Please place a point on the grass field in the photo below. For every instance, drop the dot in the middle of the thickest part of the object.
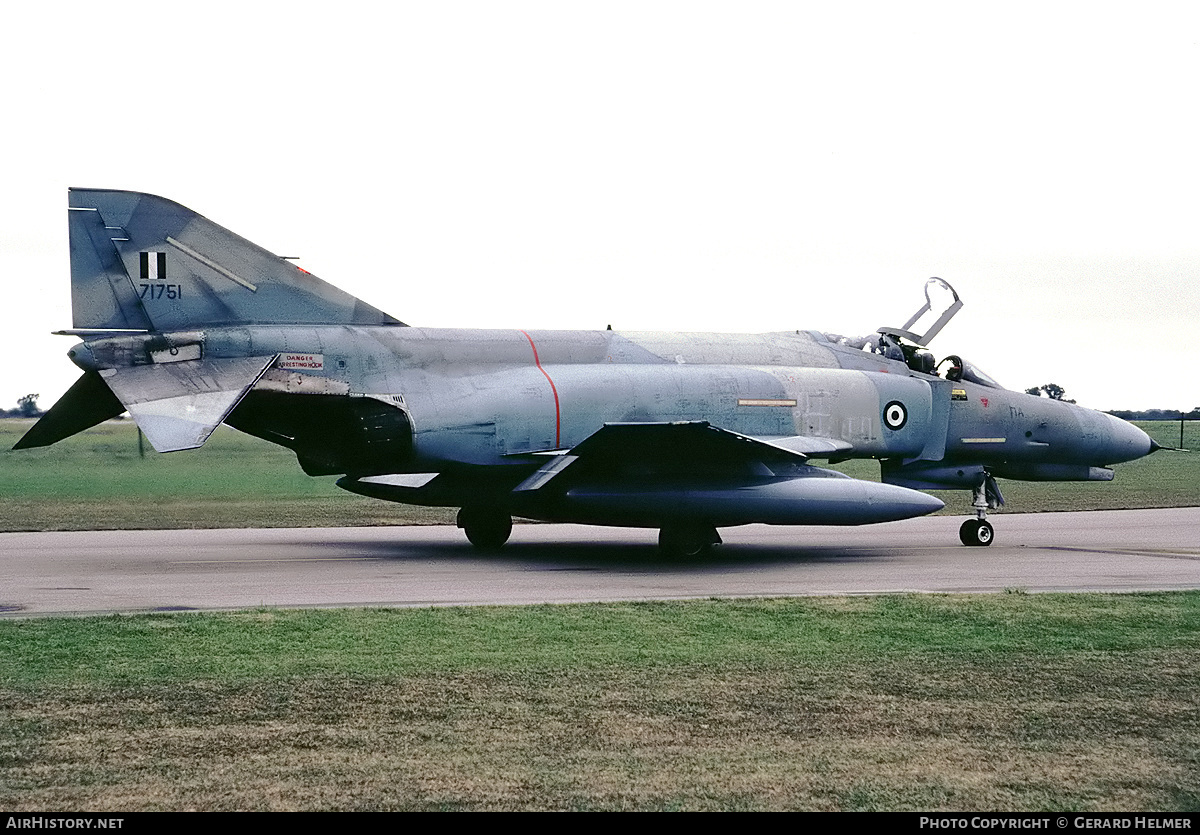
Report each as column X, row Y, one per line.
column 97, row 481
column 1022, row 702
column 1001, row 702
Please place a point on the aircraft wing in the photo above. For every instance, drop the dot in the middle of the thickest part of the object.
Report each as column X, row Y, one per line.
column 684, row 448
column 680, row 441
column 807, row 445
column 651, row 473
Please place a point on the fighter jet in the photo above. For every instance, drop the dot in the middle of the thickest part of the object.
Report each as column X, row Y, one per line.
column 186, row 325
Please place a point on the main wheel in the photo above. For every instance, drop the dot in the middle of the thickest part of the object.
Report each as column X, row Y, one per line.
column 687, row 541
column 486, row 528
column 976, row 532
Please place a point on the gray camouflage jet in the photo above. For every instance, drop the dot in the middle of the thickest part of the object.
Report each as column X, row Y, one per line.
column 186, row 325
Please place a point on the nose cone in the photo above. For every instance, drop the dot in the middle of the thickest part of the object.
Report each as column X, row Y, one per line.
column 1125, row 442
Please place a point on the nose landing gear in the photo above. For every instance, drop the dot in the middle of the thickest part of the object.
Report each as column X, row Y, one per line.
column 976, row 532
column 985, row 496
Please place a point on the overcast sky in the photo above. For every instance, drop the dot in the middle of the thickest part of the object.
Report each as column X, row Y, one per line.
column 651, row 165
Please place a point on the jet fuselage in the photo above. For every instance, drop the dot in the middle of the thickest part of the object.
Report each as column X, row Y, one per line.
column 483, row 397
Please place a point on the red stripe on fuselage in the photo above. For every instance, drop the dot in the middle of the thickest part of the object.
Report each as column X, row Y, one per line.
column 553, row 389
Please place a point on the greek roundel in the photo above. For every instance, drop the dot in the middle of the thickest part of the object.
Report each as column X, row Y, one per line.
column 895, row 415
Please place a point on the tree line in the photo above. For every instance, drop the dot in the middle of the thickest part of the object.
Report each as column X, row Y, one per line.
column 1156, row 414
column 1057, row 392
column 27, row 406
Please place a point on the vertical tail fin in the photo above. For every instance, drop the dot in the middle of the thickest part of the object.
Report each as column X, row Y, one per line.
column 142, row 262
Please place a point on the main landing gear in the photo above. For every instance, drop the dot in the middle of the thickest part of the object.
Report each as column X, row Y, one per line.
column 684, row 541
column 486, row 527
column 985, row 496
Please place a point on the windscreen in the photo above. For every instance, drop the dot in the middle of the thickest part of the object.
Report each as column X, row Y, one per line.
column 973, row 374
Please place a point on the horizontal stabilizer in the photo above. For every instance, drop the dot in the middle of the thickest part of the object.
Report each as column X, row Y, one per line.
column 85, row 404
column 177, row 405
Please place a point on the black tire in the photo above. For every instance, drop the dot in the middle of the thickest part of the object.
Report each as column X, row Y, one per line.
column 976, row 532
column 486, row 528
column 687, row 541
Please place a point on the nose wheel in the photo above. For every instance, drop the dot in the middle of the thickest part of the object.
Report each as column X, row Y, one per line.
column 976, row 532
column 984, row 497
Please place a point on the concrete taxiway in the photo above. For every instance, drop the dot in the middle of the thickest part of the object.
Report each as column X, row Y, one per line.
column 129, row 571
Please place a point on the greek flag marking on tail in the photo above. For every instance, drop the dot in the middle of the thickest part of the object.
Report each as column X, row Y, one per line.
column 154, row 264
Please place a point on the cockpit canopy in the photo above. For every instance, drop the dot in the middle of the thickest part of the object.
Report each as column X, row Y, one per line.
column 952, row 367
column 908, row 344
column 919, row 359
